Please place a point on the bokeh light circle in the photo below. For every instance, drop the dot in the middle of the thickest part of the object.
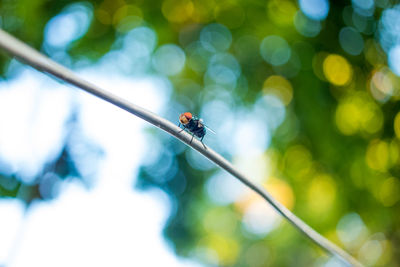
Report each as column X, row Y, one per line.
column 364, row 4
column 260, row 219
column 351, row 41
column 275, row 50
column 306, row 26
column 280, row 87
column 370, row 252
column 358, row 113
column 337, row 70
column 389, row 192
column 223, row 69
column 315, row 9
column 394, row 59
column 198, row 57
column 364, row 7
column 351, row 229
column 177, row 10
column 169, row 59
column 216, row 38
column 68, row 26
column 397, row 125
column 381, row 85
column 389, row 24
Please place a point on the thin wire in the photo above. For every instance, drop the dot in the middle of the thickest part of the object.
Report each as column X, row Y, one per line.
column 32, row 57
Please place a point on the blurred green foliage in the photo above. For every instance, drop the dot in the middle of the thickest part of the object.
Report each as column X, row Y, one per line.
column 335, row 158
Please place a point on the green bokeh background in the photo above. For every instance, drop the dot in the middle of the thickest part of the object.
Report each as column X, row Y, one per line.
column 334, row 159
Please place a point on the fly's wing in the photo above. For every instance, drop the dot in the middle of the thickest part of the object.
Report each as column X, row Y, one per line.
column 211, row 130
column 208, row 128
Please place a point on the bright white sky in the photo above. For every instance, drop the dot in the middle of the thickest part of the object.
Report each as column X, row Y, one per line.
column 107, row 225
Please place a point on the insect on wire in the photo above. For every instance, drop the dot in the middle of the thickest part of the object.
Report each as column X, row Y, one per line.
column 194, row 125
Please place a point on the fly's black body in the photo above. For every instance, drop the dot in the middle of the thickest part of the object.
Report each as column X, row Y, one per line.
column 197, row 128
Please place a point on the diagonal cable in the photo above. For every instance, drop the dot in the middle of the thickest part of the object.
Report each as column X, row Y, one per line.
column 39, row 61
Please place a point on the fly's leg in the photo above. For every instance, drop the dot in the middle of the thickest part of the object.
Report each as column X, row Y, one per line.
column 184, row 127
column 201, row 140
column 192, row 139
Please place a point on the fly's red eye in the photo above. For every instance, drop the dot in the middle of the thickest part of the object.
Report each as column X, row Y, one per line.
column 188, row 115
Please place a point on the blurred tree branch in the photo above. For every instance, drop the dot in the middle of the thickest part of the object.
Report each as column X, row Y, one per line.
column 32, row 57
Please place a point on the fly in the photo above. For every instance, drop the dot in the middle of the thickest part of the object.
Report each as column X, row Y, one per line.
column 195, row 126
